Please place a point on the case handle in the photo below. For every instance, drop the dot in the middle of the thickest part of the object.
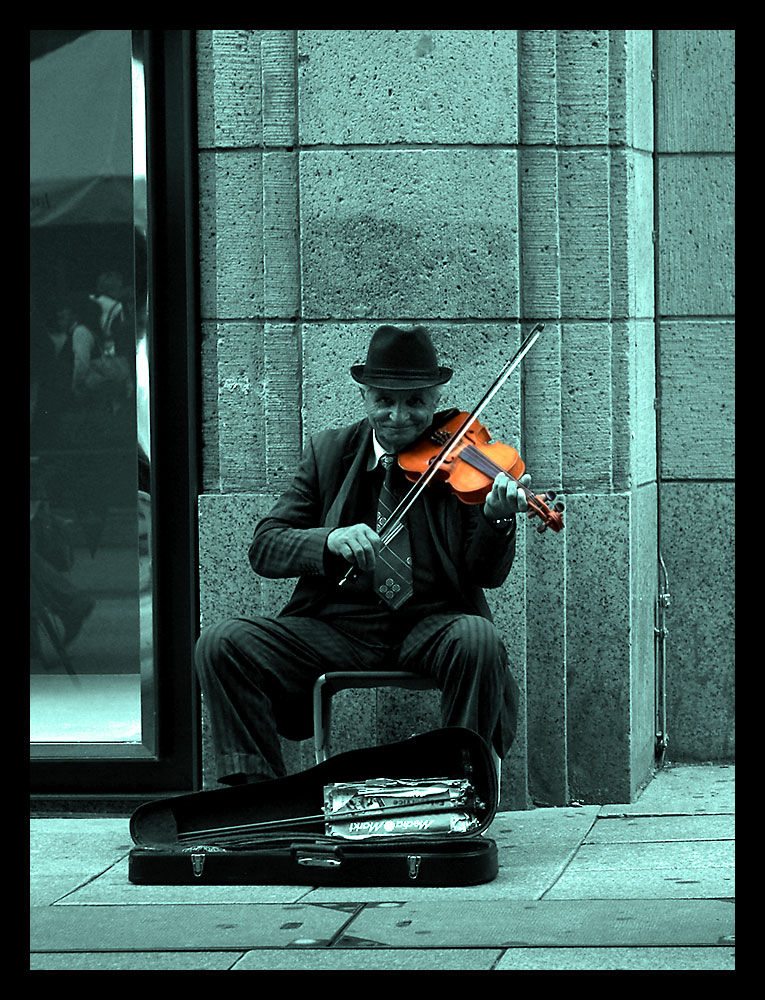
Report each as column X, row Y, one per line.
column 317, row 855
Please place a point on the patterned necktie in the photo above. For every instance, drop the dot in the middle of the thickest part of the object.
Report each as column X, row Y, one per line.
column 393, row 569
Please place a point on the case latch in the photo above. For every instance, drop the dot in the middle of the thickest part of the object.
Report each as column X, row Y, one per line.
column 413, row 861
column 199, row 855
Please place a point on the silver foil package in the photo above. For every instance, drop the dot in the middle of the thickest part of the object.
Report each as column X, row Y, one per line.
column 403, row 826
column 395, row 807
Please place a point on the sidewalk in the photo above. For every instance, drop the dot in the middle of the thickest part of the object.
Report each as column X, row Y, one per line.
column 647, row 886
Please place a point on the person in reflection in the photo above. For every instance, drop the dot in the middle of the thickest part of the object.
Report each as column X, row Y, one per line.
column 111, row 376
column 51, row 369
column 81, row 317
column 109, row 296
column 57, row 607
column 71, row 389
column 416, row 604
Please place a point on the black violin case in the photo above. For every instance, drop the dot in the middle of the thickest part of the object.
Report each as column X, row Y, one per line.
column 205, row 838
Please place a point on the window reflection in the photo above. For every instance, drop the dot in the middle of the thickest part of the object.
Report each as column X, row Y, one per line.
column 90, row 484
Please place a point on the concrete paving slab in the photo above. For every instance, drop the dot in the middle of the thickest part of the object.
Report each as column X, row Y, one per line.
column 371, row 960
column 67, row 853
column 647, row 829
column 645, row 884
column 397, row 959
column 559, row 821
column 128, row 961
column 683, row 789
column 668, row 870
column 546, row 923
column 681, row 854
column 209, row 927
column 618, row 959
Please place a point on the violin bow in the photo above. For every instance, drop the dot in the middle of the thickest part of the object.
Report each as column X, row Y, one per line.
column 395, row 522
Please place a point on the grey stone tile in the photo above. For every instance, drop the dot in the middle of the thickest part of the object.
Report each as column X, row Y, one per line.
column 213, row 927
column 618, row 959
column 662, row 869
column 647, row 829
column 683, row 855
column 370, row 959
column 134, row 961
column 668, row 883
column 548, row 923
column 67, row 853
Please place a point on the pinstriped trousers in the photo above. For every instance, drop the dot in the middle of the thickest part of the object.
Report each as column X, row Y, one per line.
column 257, row 677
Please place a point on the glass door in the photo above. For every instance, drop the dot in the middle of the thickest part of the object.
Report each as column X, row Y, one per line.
column 93, row 596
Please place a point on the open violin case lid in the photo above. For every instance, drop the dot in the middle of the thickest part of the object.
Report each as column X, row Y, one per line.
column 279, row 832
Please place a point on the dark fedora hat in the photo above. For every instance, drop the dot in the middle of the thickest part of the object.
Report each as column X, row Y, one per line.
column 401, row 359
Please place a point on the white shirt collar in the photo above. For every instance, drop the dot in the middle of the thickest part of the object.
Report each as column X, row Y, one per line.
column 377, row 452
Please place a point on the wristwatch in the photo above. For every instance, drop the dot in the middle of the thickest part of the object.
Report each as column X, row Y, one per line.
column 502, row 522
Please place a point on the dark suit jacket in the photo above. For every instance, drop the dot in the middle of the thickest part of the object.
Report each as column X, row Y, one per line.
column 291, row 539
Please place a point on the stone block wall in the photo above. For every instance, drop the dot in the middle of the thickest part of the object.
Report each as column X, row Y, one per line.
column 696, row 328
column 474, row 181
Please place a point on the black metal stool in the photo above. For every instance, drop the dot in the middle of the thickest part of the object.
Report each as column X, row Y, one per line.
column 329, row 684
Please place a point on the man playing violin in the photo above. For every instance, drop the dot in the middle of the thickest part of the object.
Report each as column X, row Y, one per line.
column 415, row 603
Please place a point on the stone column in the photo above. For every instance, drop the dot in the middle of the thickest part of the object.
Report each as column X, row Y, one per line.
column 696, row 304
column 586, row 139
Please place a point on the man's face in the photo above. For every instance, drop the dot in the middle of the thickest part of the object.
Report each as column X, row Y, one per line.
column 399, row 416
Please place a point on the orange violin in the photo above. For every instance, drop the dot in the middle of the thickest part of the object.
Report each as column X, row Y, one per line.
column 472, row 466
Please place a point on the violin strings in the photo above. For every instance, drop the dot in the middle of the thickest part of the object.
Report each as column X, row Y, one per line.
column 475, row 457
column 488, row 467
column 240, row 832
